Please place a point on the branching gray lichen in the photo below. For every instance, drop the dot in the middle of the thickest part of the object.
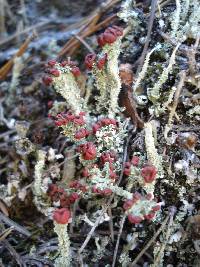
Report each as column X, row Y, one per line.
column 151, row 150
column 108, row 81
column 184, row 27
column 39, row 189
column 64, row 258
column 66, row 85
column 154, row 93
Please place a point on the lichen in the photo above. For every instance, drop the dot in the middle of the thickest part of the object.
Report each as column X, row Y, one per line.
column 64, row 258
column 154, row 93
column 108, row 81
column 151, row 150
column 66, row 85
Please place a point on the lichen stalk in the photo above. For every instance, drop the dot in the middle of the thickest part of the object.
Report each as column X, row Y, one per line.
column 66, row 85
column 64, row 258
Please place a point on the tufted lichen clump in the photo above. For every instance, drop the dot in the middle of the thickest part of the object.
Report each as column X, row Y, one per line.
column 99, row 140
column 137, row 180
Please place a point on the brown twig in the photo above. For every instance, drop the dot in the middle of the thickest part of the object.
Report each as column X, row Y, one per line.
column 2, row 19
column 72, row 45
column 176, row 96
column 163, row 225
column 89, row 27
column 25, row 31
column 149, row 30
column 5, row 233
column 13, row 253
column 118, row 239
column 7, row 67
column 164, row 243
column 89, row 48
column 16, row 226
column 111, row 224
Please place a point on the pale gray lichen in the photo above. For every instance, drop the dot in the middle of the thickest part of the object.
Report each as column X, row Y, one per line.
column 39, row 187
column 129, row 15
column 154, row 93
column 143, row 71
column 64, row 258
column 111, row 138
column 108, row 81
column 176, row 19
column 151, row 150
column 101, row 248
column 184, row 27
column 17, row 68
column 67, row 86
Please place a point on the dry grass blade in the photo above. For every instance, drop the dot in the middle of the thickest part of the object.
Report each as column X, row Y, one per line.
column 89, row 27
column 7, row 67
column 5, row 233
column 163, row 225
column 16, row 226
column 118, row 239
column 13, row 252
column 150, row 26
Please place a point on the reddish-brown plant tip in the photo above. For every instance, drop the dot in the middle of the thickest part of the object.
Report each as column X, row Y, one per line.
column 76, row 71
column 47, row 80
column 135, row 160
column 81, row 133
column 100, row 40
column 149, row 173
column 73, row 197
column 50, row 104
column 150, row 216
column 107, row 192
column 89, row 61
column 110, row 35
column 85, row 172
column 113, row 175
column 137, row 196
column 134, row 219
column 52, row 63
column 88, row 151
column 64, row 63
column 101, row 62
column 128, row 204
column 127, row 168
column 156, row 208
column 54, row 72
column 118, row 30
column 62, row 216
column 52, row 189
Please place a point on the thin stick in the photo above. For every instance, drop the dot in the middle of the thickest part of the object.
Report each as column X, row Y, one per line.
column 118, row 239
column 7, row 67
column 111, row 224
column 150, row 26
column 25, row 31
column 176, row 96
column 89, row 48
column 16, row 226
column 162, row 248
column 5, row 233
column 150, row 242
column 14, row 253
column 2, row 19
column 90, row 26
